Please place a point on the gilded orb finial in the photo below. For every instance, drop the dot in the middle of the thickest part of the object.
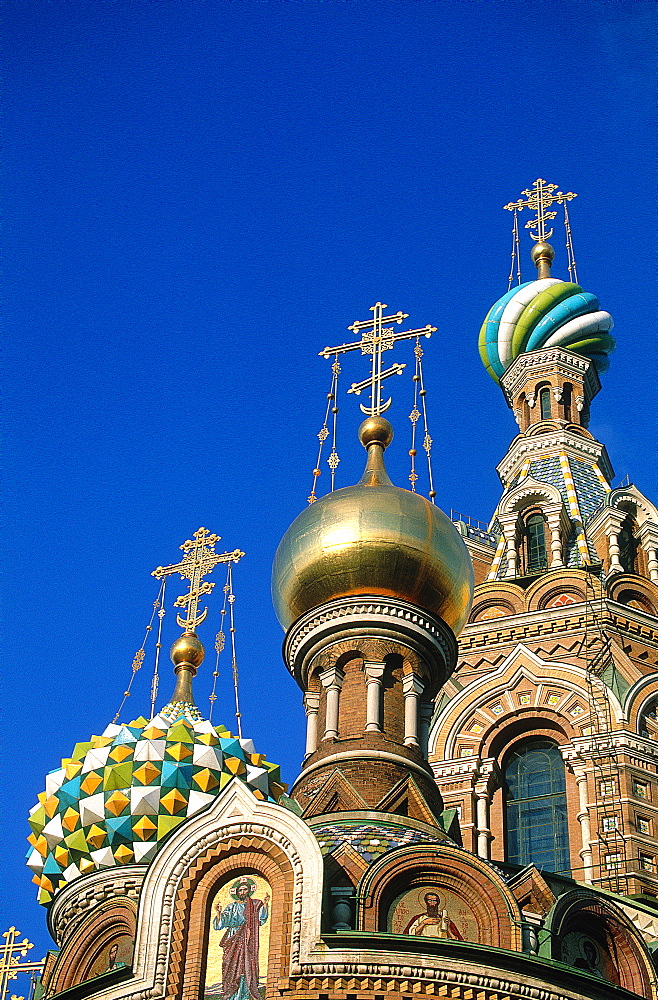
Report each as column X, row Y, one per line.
column 375, row 430
column 542, row 255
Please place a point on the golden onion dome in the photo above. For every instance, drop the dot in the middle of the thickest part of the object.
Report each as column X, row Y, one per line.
column 373, row 538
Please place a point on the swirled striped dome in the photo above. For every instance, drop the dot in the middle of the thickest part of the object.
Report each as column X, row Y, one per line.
column 545, row 313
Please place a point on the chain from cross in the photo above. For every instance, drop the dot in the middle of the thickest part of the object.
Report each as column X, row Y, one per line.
column 539, row 199
column 11, row 952
column 375, row 339
column 200, row 559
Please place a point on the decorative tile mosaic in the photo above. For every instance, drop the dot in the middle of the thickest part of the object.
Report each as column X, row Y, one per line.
column 370, row 840
column 115, row 799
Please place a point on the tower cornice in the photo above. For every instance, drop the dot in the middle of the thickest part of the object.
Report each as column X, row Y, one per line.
column 365, row 616
column 574, row 444
column 548, row 360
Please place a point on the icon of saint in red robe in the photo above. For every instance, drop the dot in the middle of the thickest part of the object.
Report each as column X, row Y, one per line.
column 241, row 921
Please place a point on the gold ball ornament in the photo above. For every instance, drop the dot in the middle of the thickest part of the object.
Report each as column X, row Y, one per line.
column 187, row 649
column 542, row 250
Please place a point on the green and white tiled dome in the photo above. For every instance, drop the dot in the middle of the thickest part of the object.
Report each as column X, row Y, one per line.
column 546, row 312
column 119, row 795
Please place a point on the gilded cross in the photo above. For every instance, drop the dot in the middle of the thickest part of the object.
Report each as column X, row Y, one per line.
column 11, row 952
column 375, row 339
column 539, row 199
column 200, row 559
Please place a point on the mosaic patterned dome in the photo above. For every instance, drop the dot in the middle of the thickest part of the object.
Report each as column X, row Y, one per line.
column 119, row 795
column 545, row 313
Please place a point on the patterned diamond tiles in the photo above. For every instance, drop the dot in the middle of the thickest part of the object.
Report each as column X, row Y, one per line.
column 370, row 840
column 121, row 793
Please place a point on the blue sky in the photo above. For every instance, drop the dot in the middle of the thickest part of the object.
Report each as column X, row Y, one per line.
column 200, row 196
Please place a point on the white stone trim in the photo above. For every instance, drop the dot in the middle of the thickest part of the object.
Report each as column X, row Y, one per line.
column 234, row 812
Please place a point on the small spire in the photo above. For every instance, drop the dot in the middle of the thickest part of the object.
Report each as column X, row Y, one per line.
column 375, row 434
column 200, row 559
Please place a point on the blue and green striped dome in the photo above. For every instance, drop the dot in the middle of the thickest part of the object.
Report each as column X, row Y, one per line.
column 545, row 313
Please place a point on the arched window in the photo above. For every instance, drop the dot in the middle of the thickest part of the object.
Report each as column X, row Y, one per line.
column 566, row 402
column 535, row 544
column 627, row 546
column 525, row 411
column 536, row 830
column 545, row 403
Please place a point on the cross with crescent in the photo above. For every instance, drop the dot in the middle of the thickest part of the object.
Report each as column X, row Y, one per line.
column 11, row 952
column 375, row 339
column 200, row 559
column 538, row 199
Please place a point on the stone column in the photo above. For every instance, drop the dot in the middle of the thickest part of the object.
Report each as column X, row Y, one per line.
column 585, row 828
column 332, row 681
column 425, row 713
column 482, row 805
column 649, row 540
column 508, row 524
column 374, row 674
column 613, row 552
column 556, row 539
column 311, row 706
column 412, row 687
column 341, row 908
column 652, row 563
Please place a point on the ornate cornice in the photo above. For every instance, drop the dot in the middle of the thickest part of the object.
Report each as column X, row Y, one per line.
column 576, row 446
column 79, row 898
column 530, row 626
column 362, row 618
column 537, row 363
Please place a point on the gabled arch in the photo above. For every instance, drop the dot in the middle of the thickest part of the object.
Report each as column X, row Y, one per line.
column 529, row 492
column 639, row 698
column 539, row 594
column 634, row 591
column 520, row 663
column 112, row 922
column 630, row 499
column 236, row 833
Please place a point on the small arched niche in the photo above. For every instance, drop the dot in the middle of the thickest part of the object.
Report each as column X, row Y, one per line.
column 593, row 935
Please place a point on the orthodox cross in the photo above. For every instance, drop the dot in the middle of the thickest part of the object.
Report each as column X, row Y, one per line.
column 11, row 952
column 538, row 199
column 200, row 559
column 375, row 339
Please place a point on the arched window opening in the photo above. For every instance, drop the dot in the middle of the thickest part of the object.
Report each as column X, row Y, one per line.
column 648, row 721
column 566, row 402
column 627, row 546
column 536, row 829
column 545, row 403
column 535, row 544
column 525, row 411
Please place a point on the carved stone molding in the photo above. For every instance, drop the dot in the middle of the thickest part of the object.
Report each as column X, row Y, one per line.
column 75, row 902
column 351, row 621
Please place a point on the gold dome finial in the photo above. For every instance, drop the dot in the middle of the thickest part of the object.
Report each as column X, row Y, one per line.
column 375, row 434
column 538, row 199
column 542, row 255
column 200, row 559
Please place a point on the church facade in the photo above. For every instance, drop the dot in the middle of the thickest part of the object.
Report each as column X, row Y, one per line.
column 476, row 815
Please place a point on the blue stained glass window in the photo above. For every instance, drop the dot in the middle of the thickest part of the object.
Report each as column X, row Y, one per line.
column 545, row 404
column 536, row 828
